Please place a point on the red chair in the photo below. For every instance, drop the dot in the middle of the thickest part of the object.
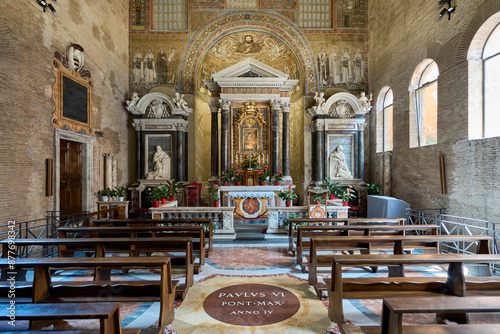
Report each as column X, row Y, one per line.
column 192, row 193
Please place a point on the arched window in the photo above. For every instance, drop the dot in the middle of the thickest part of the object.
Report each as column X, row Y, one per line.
column 484, row 80
column 423, row 104
column 385, row 120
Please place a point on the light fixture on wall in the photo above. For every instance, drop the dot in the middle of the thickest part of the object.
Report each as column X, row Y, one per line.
column 44, row 4
column 451, row 8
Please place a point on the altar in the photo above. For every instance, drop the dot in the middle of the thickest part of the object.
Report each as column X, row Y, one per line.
column 251, row 201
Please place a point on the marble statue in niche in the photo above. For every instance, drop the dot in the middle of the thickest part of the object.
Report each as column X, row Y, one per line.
column 161, row 165
column 338, row 165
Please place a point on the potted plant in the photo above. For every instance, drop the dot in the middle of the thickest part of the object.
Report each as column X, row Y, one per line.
column 213, row 193
column 318, row 200
column 333, row 188
column 155, row 195
column 120, row 192
column 278, row 177
column 346, row 195
column 286, row 221
column 174, row 188
column 374, row 188
column 238, row 177
column 226, row 176
column 105, row 193
column 287, row 195
column 165, row 193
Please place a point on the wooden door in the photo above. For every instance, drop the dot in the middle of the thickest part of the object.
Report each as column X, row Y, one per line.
column 71, row 177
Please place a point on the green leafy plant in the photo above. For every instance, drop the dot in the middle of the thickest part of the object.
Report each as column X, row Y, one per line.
column 333, row 187
column 278, row 176
column 238, row 176
column 104, row 192
column 121, row 191
column 155, row 193
column 347, row 194
column 318, row 200
column 263, row 174
column 213, row 192
column 374, row 188
column 174, row 188
column 287, row 194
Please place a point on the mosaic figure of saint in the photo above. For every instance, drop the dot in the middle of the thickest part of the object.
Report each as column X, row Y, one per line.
column 323, row 66
column 162, row 67
column 346, row 67
column 173, row 66
column 248, row 46
column 137, row 67
column 149, row 67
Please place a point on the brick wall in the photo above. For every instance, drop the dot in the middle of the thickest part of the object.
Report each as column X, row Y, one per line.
column 29, row 39
column 403, row 34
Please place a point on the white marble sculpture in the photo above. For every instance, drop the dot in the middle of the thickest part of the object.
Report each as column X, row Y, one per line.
column 132, row 104
column 157, row 109
column 320, row 100
column 338, row 165
column 161, row 168
column 366, row 103
column 179, row 101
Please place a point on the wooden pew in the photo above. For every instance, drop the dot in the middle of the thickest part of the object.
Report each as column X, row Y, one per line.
column 43, row 290
column 197, row 233
column 207, row 223
column 107, row 313
column 455, row 283
column 295, row 222
column 394, row 308
column 306, row 232
column 398, row 243
column 134, row 246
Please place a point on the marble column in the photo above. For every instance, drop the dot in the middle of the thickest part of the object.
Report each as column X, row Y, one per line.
column 285, row 157
column 181, row 151
column 318, row 126
column 214, row 141
column 224, row 139
column 109, row 170
column 275, row 135
column 139, row 169
column 361, row 151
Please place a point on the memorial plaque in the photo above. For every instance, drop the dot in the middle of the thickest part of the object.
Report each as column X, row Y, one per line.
column 75, row 104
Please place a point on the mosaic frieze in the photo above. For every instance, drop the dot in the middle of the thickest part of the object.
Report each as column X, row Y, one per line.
column 199, row 17
column 155, row 61
column 351, row 14
column 341, row 61
column 278, row 4
column 206, row 4
column 205, row 40
column 242, row 4
column 138, row 15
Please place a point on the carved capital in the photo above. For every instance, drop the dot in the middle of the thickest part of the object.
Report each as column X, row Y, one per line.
column 214, row 106
column 286, row 106
column 275, row 104
column 224, row 104
column 361, row 126
column 318, row 126
column 184, row 127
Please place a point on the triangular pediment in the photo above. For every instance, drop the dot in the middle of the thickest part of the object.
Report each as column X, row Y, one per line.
column 249, row 68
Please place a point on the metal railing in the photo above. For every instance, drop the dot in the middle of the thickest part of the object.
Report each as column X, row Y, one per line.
column 43, row 228
column 454, row 225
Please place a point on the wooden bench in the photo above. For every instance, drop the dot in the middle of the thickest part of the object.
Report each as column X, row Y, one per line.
column 433, row 329
column 207, row 223
column 107, row 313
column 396, row 243
column 394, row 308
column 197, row 233
column 304, row 233
column 455, row 283
column 132, row 246
column 295, row 222
column 43, row 290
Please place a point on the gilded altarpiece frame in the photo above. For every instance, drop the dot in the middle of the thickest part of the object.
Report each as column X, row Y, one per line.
column 250, row 133
column 72, row 96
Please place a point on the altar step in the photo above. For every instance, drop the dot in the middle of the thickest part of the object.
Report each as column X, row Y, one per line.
column 250, row 231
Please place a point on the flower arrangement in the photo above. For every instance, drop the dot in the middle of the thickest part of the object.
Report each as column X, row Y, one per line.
column 333, row 187
column 263, row 174
column 238, row 176
column 156, row 193
column 347, row 194
column 174, row 188
column 278, row 176
column 213, row 192
column 287, row 194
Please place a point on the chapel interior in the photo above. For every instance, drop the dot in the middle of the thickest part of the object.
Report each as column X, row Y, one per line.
column 390, row 98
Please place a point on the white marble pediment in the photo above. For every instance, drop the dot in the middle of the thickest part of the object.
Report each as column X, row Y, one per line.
column 348, row 101
column 151, row 101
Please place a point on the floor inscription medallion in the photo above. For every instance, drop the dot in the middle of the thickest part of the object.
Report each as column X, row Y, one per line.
column 251, row 304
